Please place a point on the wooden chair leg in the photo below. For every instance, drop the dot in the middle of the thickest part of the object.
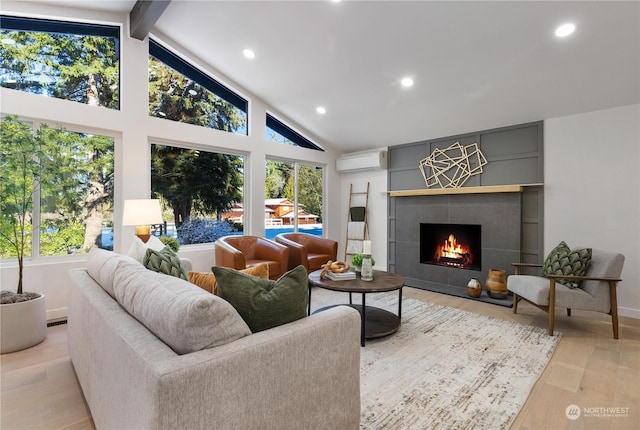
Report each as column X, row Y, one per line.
column 552, row 304
column 614, row 307
column 515, row 303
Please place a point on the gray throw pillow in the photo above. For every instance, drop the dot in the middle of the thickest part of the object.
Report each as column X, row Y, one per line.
column 165, row 261
column 564, row 261
column 263, row 303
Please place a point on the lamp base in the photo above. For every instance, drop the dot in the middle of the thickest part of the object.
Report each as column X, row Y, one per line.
column 143, row 232
column 143, row 237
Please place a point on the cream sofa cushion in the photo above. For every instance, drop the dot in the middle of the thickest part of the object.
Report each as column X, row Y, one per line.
column 103, row 265
column 182, row 315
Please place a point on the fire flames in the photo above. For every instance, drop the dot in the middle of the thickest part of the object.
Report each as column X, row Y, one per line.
column 452, row 253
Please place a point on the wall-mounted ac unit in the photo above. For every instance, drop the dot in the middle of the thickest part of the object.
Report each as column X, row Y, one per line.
column 373, row 160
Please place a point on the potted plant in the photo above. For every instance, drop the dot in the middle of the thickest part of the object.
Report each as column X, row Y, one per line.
column 356, row 261
column 171, row 242
column 23, row 316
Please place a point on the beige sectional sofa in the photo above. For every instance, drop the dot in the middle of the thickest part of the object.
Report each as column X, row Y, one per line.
column 301, row 375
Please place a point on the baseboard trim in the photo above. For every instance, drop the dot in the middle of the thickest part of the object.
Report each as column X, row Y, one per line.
column 629, row 312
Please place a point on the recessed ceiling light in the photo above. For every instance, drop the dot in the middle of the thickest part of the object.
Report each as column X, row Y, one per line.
column 406, row 82
column 249, row 54
column 321, row 110
column 565, row 30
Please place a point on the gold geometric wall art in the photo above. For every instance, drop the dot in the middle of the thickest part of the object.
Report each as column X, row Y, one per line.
column 452, row 167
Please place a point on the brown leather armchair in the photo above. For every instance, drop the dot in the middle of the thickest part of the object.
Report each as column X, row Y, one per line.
column 308, row 250
column 240, row 252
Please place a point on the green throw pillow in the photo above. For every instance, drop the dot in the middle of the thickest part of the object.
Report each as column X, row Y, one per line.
column 564, row 261
column 263, row 303
column 164, row 261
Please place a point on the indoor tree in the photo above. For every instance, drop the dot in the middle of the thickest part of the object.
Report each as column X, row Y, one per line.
column 20, row 154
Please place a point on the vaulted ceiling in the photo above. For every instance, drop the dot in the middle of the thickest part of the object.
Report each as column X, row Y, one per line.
column 475, row 65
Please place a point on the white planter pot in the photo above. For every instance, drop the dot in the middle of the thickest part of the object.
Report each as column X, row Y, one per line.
column 23, row 324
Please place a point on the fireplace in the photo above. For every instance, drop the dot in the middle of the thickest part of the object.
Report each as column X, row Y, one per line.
column 457, row 246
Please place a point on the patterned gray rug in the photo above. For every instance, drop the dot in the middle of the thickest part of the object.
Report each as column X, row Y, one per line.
column 446, row 368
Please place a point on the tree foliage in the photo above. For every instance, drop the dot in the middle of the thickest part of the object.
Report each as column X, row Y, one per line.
column 174, row 96
column 19, row 161
column 79, row 68
column 77, row 189
column 277, row 174
column 195, row 182
column 310, row 189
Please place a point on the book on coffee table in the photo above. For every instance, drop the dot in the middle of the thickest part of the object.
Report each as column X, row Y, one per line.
column 341, row 276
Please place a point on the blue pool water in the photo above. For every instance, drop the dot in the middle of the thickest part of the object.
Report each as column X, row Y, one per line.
column 272, row 232
column 269, row 233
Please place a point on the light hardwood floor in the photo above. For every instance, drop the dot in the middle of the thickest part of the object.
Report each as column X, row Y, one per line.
column 588, row 369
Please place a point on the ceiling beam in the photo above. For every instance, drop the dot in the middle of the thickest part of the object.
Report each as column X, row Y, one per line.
column 144, row 15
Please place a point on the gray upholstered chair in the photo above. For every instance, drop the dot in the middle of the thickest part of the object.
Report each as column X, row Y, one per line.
column 596, row 291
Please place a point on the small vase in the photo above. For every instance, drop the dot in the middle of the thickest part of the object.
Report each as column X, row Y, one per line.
column 367, row 269
column 474, row 288
column 496, row 284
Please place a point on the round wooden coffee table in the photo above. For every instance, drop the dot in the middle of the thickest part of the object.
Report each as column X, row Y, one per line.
column 376, row 322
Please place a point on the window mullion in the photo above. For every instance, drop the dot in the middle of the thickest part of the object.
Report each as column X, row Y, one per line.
column 295, row 196
column 35, row 220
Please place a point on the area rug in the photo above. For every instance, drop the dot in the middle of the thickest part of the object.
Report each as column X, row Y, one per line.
column 447, row 369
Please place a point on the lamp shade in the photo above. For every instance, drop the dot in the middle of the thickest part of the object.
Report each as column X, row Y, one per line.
column 142, row 212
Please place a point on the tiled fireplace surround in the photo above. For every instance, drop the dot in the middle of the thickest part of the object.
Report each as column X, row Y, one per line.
column 499, row 214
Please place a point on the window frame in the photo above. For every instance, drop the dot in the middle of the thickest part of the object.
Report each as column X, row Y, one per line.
column 36, row 255
column 296, row 163
column 179, row 64
column 286, row 131
column 184, row 144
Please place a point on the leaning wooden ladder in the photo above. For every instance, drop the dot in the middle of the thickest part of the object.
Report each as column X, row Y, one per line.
column 356, row 222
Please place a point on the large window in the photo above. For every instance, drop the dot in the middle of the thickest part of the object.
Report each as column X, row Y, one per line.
column 201, row 192
column 278, row 131
column 72, row 201
column 71, row 61
column 293, row 198
column 180, row 92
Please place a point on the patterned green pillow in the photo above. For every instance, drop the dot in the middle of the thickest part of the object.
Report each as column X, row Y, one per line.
column 164, row 261
column 263, row 303
column 564, row 261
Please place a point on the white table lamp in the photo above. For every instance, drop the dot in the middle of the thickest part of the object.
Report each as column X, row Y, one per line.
column 142, row 213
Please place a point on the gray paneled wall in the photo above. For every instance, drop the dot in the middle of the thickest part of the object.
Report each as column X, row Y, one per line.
column 514, row 157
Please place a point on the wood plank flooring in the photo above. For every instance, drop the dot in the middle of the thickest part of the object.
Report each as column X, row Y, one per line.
column 589, row 369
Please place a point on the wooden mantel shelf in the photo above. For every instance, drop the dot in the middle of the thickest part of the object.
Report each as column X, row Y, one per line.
column 463, row 190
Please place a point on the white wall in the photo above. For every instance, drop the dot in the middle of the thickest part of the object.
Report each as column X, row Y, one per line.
column 376, row 213
column 134, row 131
column 592, row 189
